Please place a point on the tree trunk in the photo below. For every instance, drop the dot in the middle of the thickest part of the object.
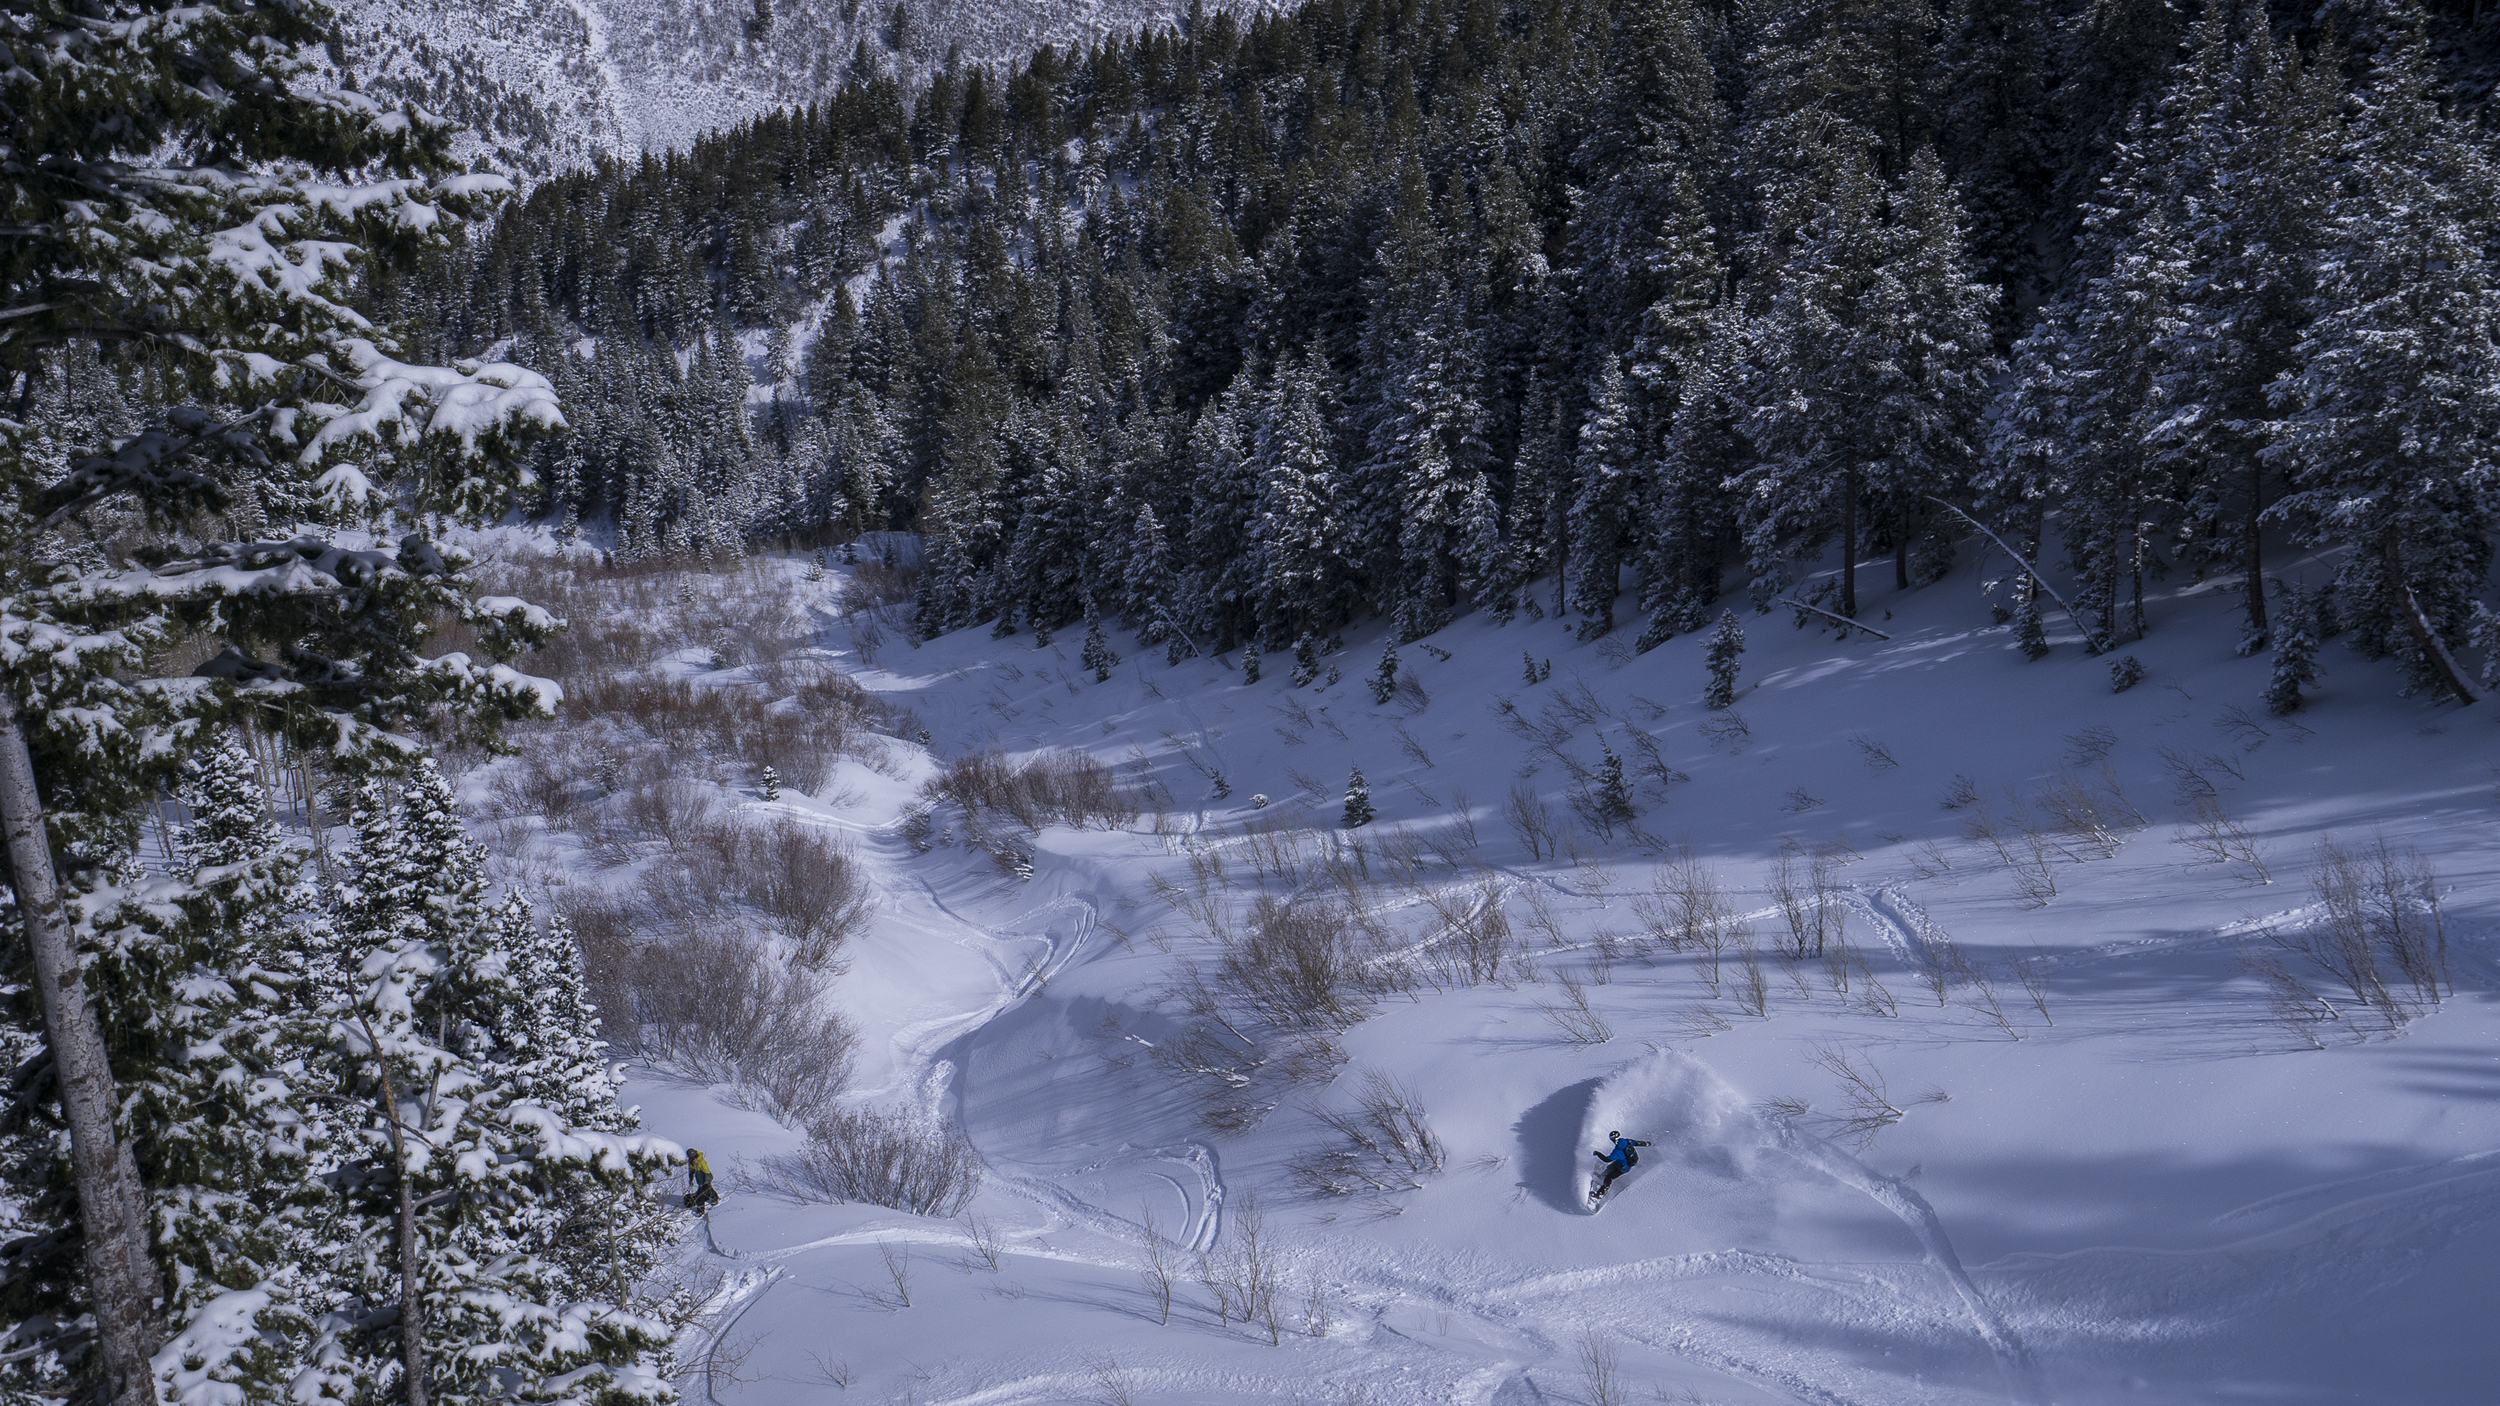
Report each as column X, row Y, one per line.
column 411, row 1301
column 2256, row 559
column 112, row 1208
column 1849, row 543
column 2434, row 650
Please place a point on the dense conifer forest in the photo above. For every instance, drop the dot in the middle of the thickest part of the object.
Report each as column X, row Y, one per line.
column 1240, row 331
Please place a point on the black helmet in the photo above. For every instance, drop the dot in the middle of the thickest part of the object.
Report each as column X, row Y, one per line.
column 1614, row 1134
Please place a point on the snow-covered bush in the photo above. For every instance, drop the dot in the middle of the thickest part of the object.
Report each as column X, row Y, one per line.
column 2125, row 673
column 884, row 1159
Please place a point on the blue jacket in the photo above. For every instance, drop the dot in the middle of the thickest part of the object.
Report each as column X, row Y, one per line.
column 1623, row 1155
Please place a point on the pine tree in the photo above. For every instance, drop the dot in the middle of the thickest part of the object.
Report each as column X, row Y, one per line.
column 2392, row 420
column 1384, row 680
column 1614, row 793
column 454, row 1159
column 2295, row 667
column 1293, row 531
column 1602, row 511
column 1358, row 800
column 1727, row 647
column 1098, row 655
column 190, row 181
column 768, row 784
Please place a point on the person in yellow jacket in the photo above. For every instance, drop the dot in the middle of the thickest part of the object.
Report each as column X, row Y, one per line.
column 699, row 1172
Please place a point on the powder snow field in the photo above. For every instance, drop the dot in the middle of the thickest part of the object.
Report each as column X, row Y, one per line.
column 2163, row 1196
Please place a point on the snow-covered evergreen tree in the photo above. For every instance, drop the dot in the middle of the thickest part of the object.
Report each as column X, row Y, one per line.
column 196, row 182
column 1358, row 800
column 458, row 1160
column 1725, row 655
column 2391, row 428
column 1603, row 509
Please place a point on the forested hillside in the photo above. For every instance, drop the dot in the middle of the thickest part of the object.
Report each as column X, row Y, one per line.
column 1241, row 331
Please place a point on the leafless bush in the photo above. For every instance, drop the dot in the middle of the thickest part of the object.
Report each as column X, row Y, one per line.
column 1476, row 940
column 2091, row 746
column 1862, row 1092
column 1531, row 819
column 1983, row 999
column 2033, row 973
column 1962, row 793
column 715, row 1008
column 1299, row 966
column 1812, row 909
column 1248, row 1273
column 1382, row 1144
column 1598, row 1362
column 1409, row 744
column 2242, row 727
column 2214, row 835
column 1875, row 754
column 898, row 1269
column 2097, row 818
column 1158, row 1274
column 2194, row 775
column 2289, row 1001
column 1410, row 693
column 1939, row 963
column 1727, row 729
column 1580, row 1022
column 603, row 929
column 1053, row 786
column 884, row 1159
column 2376, row 905
column 542, row 782
column 1650, row 761
column 809, row 885
column 670, row 809
column 1753, row 990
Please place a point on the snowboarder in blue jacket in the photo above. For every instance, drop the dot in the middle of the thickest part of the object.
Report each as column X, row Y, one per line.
column 1618, row 1159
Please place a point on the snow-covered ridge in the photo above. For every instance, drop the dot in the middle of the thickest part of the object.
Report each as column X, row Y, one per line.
column 543, row 88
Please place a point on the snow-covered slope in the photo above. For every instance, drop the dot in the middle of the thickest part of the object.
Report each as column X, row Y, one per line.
column 544, row 87
column 2143, row 1187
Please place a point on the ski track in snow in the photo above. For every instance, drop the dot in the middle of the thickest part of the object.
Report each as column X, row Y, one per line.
column 1441, row 1321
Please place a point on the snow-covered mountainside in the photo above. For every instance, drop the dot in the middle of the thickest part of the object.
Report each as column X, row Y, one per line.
column 1991, row 1028
column 548, row 87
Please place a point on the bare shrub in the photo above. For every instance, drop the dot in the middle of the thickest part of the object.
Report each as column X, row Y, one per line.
column 2376, row 906
column 808, row 884
column 2289, row 1001
column 1811, row 909
column 1605, row 1378
column 1862, row 1092
column 1875, row 754
column 670, row 809
column 1299, row 966
column 542, row 782
column 1580, row 1022
column 894, row 1160
column 1382, row 1144
column 714, row 1008
column 1531, row 819
column 1067, row 787
column 2215, row 836
column 603, row 929
column 1476, row 939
